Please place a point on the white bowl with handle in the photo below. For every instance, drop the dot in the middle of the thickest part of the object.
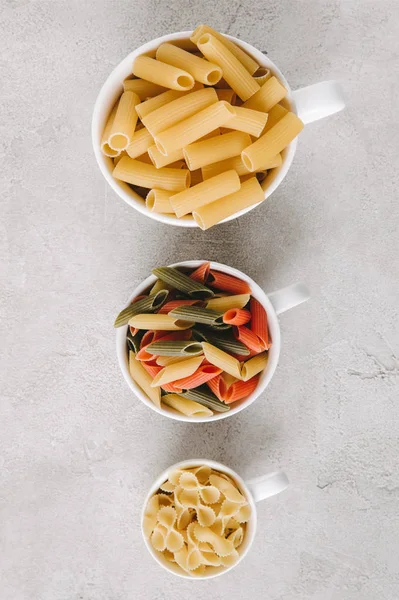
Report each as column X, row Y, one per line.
column 309, row 103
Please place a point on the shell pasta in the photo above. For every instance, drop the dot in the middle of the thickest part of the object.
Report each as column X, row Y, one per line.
column 202, row 341
column 204, row 106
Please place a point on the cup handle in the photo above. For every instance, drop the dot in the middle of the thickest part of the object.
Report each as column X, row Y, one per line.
column 269, row 485
column 317, row 101
column 289, row 297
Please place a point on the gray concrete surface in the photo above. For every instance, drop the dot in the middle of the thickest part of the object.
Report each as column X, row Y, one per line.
column 78, row 451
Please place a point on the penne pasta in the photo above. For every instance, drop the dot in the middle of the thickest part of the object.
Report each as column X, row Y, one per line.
column 249, row 63
column 206, row 192
column 253, row 366
column 248, row 120
column 158, row 322
column 166, row 308
column 124, row 123
column 143, row 380
column 181, row 108
column 224, row 342
column 193, row 128
column 140, row 143
column 162, row 74
column 234, row 163
column 144, row 89
column 105, row 147
column 174, row 348
column 267, row 96
column 185, row 406
column 250, row 194
column 205, row 397
column 248, row 338
column 203, row 374
column 226, row 303
column 228, row 283
column 145, row 304
column 197, row 314
column 221, row 359
column 206, row 152
column 176, row 371
column 159, row 201
column 202, row 70
column 259, row 324
column 272, row 142
column 234, row 72
column 241, row 389
column 227, row 95
column 164, row 361
column 275, row 115
column 182, row 282
column 236, row 316
column 201, row 273
column 147, row 176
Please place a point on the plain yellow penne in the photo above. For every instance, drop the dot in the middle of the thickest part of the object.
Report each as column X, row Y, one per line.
column 225, row 165
column 247, row 120
column 162, row 74
column 105, row 147
column 249, row 63
column 159, row 201
column 275, row 115
column 227, row 302
column 250, row 194
column 144, row 108
column 165, row 361
column 267, row 96
column 140, row 143
column 124, row 123
column 186, row 406
column 221, row 359
column 144, row 89
column 227, row 95
column 147, row 176
column 272, row 142
column 206, row 152
column 253, row 366
column 204, row 193
column 201, row 69
column 159, row 322
column 193, row 128
column 234, row 72
column 168, row 115
column 176, row 371
column 143, row 380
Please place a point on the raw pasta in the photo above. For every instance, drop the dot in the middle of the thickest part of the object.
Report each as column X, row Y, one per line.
column 124, row 122
column 162, row 74
column 148, row 176
column 206, row 152
column 202, row 70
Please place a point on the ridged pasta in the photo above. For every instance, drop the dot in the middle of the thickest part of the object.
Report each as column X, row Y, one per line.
column 124, row 123
column 147, row 176
column 271, row 92
column 202, row 70
column 206, row 152
column 162, row 74
column 247, row 120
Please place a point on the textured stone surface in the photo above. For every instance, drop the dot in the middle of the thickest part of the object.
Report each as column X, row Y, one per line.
column 78, row 451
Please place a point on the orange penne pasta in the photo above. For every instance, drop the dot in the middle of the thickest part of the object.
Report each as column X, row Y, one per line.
column 133, row 330
column 201, row 274
column 166, row 308
column 236, row 316
column 227, row 283
column 241, row 389
column 145, row 356
column 217, row 386
column 203, row 374
column 171, row 388
column 249, row 338
column 151, row 369
column 259, row 322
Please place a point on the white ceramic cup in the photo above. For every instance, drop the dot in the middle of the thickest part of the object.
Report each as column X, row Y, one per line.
column 309, row 103
column 274, row 303
column 254, row 490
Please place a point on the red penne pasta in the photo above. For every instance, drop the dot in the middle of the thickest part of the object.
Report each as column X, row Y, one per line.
column 151, row 369
column 145, row 356
column 236, row 316
column 201, row 274
column 249, row 338
column 227, row 283
column 171, row 388
column 166, row 308
column 133, row 330
column 203, row 374
column 259, row 322
column 240, row 389
column 217, row 386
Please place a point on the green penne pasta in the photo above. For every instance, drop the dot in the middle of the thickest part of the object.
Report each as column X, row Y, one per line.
column 197, row 314
column 220, row 326
column 182, row 282
column 226, row 343
column 204, row 396
column 145, row 305
column 133, row 341
column 174, row 348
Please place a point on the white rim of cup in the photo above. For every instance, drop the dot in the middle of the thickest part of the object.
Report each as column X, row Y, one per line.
column 112, row 88
column 265, row 376
column 251, row 524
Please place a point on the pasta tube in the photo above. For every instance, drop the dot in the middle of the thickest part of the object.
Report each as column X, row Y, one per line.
column 174, row 348
column 206, row 192
column 250, row 193
column 144, row 108
column 144, row 89
column 227, row 95
column 191, row 129
column 185, row 406
column 182, row 282
column 140, row 143
column 147, row 304
column 267, row 96
column 197, row 314
column 272, row 142
column 203, row 396
column 105, row 147
column 162, row 74
column 262, row 75
column 206, row 152
column 249, row 63
column 234, row 72
column 159, row 201
column 253, row 366
column 202, row 70
column 158, row 322
column 228, row 283
column 228, row 302
column 124, row 123
column 176, row 371
column 147, row 176
column 275, row 115
column 175, row 111
column 234, row 163
column 247, row 120
column 221, row 359
column 143, row 380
